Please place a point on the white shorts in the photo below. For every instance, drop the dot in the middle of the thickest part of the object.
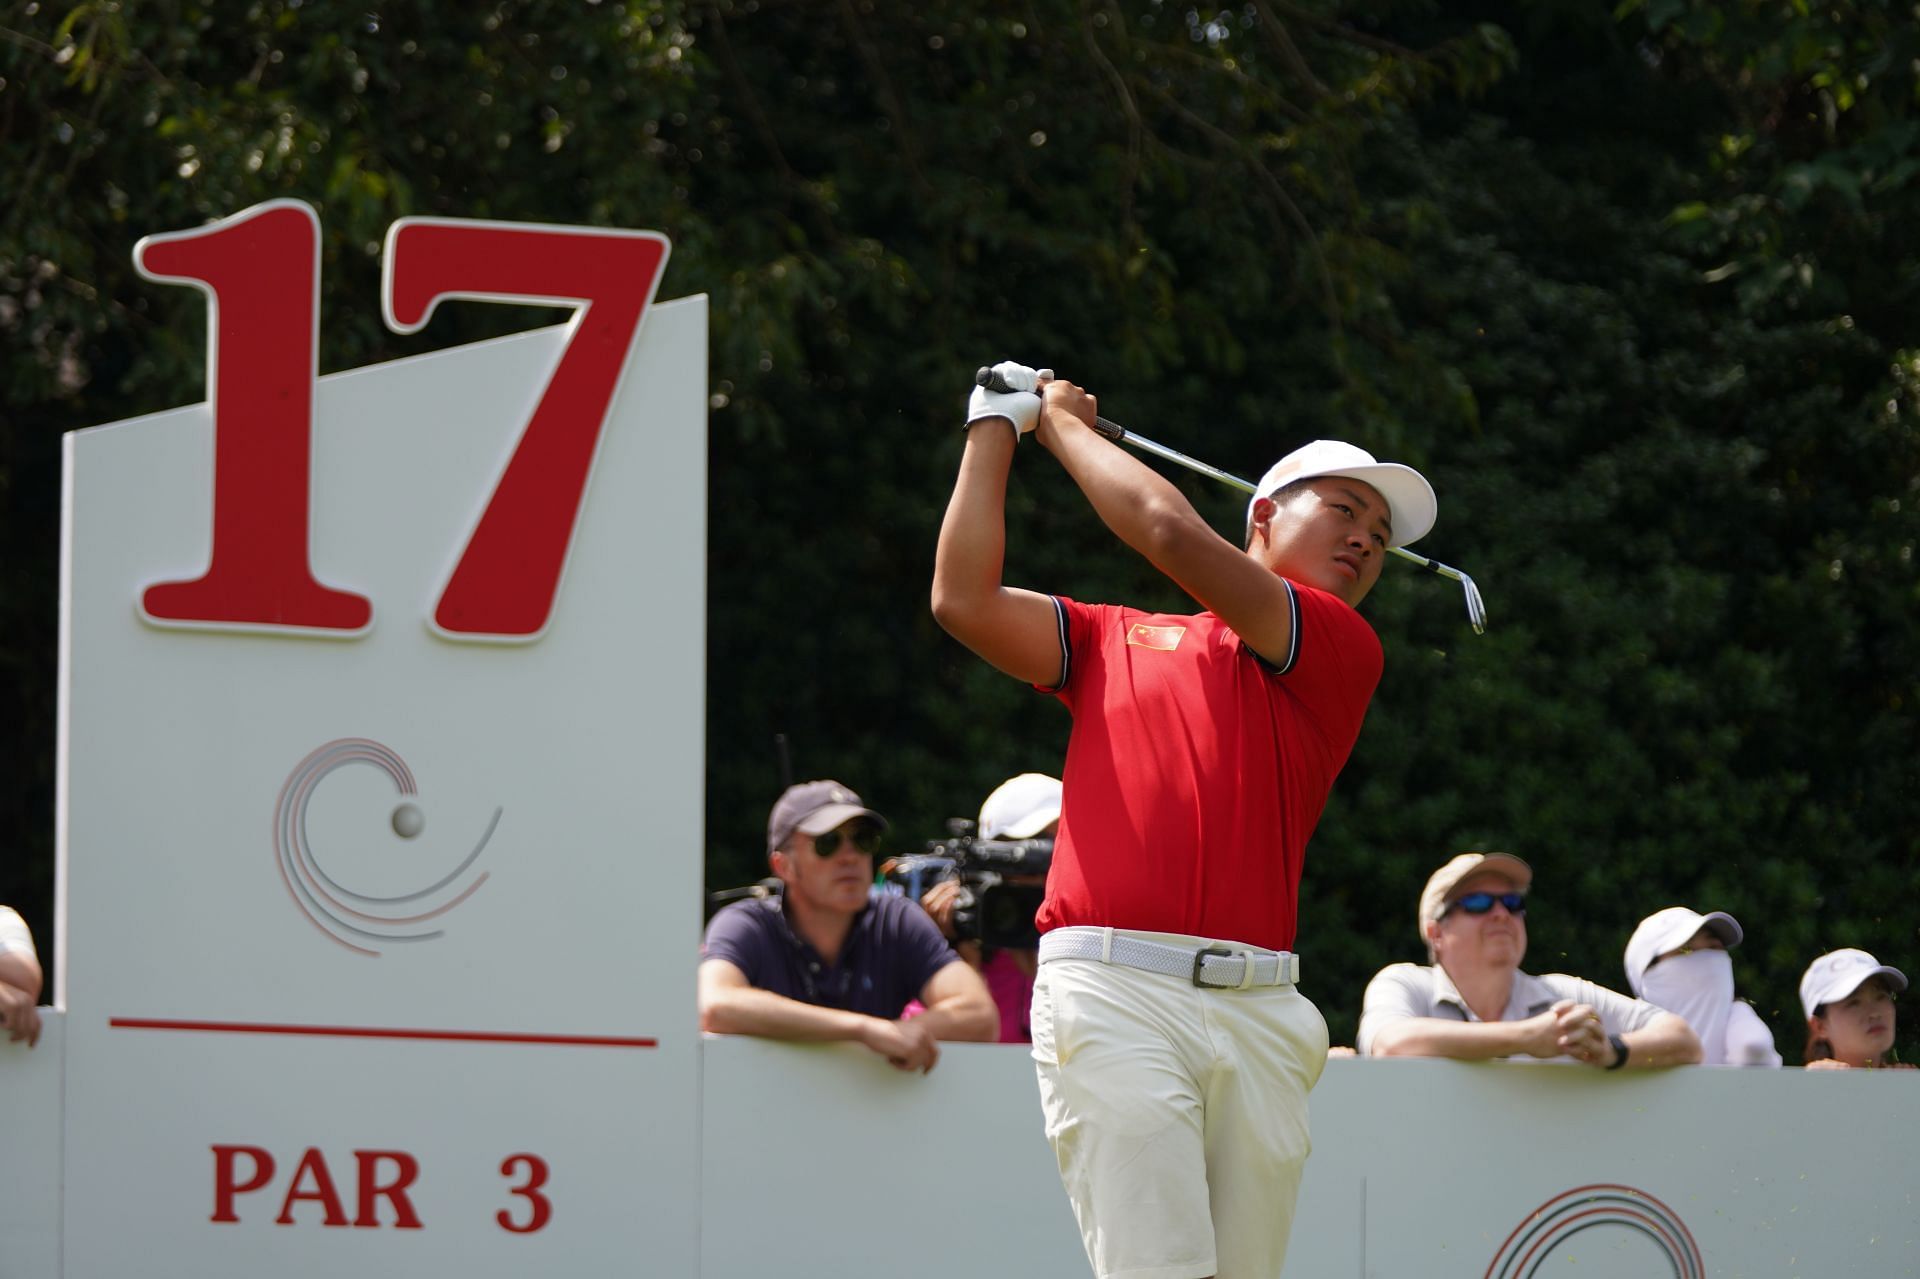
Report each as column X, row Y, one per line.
column 1178, row 1115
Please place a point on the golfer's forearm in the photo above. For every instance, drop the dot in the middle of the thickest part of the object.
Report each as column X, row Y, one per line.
column 971, row 554
column 1435, row 1037
column 1665, row 1041
column 1017, row 631
column 1142, row 507
column 761, row 1012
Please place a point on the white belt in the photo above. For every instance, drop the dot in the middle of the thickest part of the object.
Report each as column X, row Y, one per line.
column 1211, row 967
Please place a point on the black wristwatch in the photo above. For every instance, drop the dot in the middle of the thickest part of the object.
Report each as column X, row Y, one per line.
column 1620, row 1052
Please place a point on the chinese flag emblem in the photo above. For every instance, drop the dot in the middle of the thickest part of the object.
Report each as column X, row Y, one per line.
column 1163, row 638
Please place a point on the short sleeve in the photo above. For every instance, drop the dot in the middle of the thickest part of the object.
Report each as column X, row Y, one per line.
column 1075, row 622
column 921, row 950
column 15, row 938
column 1749, row 1041
column 740, row 937
column 1619, row 1013
column 1335, row 664
column 1397, row 992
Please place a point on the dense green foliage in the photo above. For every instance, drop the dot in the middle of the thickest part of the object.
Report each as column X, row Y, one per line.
column 1636, row 289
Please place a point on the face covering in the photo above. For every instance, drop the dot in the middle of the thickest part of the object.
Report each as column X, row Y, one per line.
column 1699, row 987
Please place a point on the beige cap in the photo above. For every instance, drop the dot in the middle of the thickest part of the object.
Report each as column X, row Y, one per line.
column 1433, row 898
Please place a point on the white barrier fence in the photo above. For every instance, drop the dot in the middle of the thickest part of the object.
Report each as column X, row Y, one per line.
column 822, row 1161
column 818, row 1161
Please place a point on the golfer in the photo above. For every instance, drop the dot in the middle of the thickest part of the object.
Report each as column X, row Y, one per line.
column 1174, row 1049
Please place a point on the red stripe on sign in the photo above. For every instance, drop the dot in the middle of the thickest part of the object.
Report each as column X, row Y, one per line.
column 378, row 1032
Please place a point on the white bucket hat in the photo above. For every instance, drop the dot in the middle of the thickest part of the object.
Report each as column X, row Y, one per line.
column 1668, row 929
column 1411, row 504
column 1838, row 973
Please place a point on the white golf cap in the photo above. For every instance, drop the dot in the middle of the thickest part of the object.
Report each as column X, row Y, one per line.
column 1433, row 898
column 1411, row 504
column 1669, row 929
column 1837, row 974
column 1020, row 807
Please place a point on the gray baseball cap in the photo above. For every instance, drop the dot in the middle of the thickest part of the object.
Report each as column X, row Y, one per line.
column 814, row 808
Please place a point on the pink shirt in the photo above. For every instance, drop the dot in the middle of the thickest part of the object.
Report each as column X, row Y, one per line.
column 1012, row 989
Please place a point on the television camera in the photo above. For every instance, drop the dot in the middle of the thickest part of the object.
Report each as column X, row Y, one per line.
column 1002, row 882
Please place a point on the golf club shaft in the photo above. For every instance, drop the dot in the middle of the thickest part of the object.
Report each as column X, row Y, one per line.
column 1121, row 435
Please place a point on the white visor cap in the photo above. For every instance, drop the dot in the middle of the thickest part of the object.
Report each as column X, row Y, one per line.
column 1020, row 807
column 1411, row 504
column 1670, row 929
column 1839, row 973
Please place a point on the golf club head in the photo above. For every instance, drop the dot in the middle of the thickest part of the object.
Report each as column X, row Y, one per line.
column 1476, row 607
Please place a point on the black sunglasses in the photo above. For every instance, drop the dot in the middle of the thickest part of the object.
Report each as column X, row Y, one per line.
column 865, row 838
column 1481, row 903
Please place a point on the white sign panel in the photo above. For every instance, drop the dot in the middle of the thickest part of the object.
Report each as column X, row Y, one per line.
column 382, row 749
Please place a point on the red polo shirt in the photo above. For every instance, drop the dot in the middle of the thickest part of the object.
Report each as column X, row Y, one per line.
column 1196, row 771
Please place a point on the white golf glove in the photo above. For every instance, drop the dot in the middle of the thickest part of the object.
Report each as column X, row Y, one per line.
column 1021, row 405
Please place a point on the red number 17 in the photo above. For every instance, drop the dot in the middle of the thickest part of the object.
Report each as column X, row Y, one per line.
column 261, row 271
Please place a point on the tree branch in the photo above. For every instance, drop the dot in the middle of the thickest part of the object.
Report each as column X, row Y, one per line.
column 1341, row 31
column 1134, row 126
column 1289, row 52
column 889, row 100
column 751, row 102
column 1233, row 146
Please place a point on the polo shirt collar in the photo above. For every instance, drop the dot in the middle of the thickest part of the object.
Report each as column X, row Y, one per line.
column 1528, row 996
column 855, row 931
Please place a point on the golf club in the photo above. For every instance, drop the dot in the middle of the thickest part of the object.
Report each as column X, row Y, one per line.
column 1476, row 607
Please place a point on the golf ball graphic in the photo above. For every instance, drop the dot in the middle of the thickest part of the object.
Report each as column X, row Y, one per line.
column 408, row 821
column 347, row 905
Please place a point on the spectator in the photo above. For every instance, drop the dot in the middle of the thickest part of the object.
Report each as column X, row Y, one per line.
column 1677, row 960
column 1848, row 998
column 828, row 958
column 1023, row 807
column 1474, row 1002
column 20, row 980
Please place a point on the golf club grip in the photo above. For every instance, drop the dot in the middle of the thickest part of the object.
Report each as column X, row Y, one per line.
column 994, row 382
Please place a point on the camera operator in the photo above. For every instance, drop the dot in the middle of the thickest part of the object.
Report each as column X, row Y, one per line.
column 1023, row 807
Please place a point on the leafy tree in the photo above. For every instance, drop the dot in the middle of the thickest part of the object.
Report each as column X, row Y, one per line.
column 1632, row 287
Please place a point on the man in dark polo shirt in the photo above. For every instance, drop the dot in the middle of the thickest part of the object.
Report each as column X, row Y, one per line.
column 829, row 958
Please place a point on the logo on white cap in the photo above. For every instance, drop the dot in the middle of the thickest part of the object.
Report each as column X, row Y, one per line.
column 1839, row 973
